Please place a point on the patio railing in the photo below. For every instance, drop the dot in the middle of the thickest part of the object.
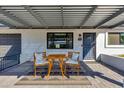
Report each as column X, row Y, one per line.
column 8, row 61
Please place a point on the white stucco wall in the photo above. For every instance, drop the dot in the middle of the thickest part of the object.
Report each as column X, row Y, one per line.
column 103, row 48
column 35, row 40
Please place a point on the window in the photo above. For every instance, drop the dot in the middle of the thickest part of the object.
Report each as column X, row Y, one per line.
column 116, row 38
column 60, row 40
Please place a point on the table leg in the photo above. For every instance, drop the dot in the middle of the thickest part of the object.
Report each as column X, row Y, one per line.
column 49, row 70
column 61, row 67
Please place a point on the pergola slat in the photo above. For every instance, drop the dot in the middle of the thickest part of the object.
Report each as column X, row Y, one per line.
column 110, row 17
column 36, row 16
column 117, row 24
column 7, row 24
column 62, row 16
column 88, row 16
column 13, row 17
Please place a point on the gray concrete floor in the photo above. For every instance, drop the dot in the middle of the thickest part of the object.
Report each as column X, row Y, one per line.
column 99, row 75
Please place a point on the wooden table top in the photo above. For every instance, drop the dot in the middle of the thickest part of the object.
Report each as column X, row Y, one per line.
column 54, row 56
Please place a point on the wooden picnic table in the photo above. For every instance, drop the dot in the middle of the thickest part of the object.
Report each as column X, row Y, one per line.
column 51, row 58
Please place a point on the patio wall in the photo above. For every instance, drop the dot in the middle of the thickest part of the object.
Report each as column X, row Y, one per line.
column 113, row 60
column 35, row 40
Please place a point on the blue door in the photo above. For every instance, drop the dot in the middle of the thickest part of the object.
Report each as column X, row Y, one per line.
column 89, row 46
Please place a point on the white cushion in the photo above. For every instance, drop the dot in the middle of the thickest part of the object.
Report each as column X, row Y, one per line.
column 41, row 62
column 75, row 56
column 39, row 58
column 70, row 61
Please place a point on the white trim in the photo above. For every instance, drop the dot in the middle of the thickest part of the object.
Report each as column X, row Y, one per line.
column 90, row 60
column 111, row 46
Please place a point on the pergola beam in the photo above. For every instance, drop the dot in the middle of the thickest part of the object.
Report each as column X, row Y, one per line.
column 7, row 24
column 110, row 17
column 117, row 24
column 62, row 16
column 88, row 15
column 36, row 16
column 13, row 17
column 64, row 27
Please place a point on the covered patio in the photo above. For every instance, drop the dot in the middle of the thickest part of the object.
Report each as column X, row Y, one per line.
column 62, row 46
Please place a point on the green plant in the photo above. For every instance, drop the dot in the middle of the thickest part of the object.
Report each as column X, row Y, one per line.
column 122, row 55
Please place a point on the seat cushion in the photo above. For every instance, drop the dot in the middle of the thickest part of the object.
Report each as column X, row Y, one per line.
column 39, row 58
column 41, row 62
column 70, row 61
column 75, row 56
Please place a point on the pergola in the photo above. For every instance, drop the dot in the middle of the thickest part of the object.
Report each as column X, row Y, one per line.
column 62, row 16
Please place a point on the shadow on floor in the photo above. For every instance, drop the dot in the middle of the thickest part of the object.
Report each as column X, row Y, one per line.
column 18, row 70
column 113, row 68
column 27, row 69
column 90, row 72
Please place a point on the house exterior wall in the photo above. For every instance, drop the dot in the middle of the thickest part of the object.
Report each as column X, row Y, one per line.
column 34, row 40
column 102, row 46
